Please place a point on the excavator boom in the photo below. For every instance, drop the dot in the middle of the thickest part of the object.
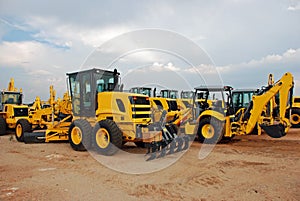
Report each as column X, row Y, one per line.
column 282, row 88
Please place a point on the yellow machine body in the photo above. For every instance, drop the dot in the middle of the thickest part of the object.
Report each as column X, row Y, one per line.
column 246, row 119
column 11, row 107
column 295, row 113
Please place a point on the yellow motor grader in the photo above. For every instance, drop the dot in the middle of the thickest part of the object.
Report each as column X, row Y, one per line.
column 104, row 118
column 49, row 121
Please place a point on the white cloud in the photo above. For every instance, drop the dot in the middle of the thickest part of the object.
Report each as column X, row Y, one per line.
column 40, row 72
column 254, row 73
column 65, row 34
column 202, row 69
column 230, row 42
column 291, row 55
column 20, row 53
column 294, row 7
column 156, row 67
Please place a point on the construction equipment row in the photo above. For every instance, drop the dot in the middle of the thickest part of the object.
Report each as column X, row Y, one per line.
column 96, row 114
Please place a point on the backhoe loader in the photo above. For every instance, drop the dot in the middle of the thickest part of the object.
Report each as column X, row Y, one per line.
column 212, row 123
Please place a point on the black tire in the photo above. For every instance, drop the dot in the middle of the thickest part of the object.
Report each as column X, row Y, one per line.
column 80, row 135
column 22, row 127
column 112, row 137
column 295, row 118
column 214, row 128
column 2, row 126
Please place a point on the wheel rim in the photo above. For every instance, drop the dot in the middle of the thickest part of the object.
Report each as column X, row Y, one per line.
column 102, row 138
column 208, row 131
column 76, row 135
column 295, row 119
column 19, row 130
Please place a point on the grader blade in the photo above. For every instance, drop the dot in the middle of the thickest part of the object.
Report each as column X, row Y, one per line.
column 172, row 148
column 151, row 157
column 186, row 142
column 179, row 143
column 34, row 137
column 274, row 131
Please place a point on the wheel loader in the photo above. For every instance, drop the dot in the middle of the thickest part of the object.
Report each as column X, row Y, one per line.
column 219, row 121
column 161, row 102
column 12, row 112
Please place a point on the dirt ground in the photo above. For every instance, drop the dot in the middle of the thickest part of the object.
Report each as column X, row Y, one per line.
column 248, row 168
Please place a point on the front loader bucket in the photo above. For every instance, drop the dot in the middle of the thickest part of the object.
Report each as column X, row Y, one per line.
column 274, row 131
column 35, row 137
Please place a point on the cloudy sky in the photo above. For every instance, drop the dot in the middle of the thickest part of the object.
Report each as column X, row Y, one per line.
column 240, row 40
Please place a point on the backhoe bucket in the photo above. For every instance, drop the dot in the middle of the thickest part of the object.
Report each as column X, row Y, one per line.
column 274, row 131
column 34, row 137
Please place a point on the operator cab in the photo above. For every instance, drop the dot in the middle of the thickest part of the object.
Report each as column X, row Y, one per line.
column 141, row 90
column 166, row 93
column 241, row 98
column 215, row 94
column 9, row 97
column 186, row 94
column 85, row 85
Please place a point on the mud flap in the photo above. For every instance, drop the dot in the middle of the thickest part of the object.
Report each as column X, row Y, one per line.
column 274, row 131
column 35, row 137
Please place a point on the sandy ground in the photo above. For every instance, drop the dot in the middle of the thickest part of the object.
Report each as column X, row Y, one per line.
column 248, row 168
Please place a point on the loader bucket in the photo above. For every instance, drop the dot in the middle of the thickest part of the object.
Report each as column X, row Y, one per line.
column 274, row 131
column 34, row 137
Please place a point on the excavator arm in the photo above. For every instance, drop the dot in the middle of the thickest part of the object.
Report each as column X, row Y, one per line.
column 279, row 124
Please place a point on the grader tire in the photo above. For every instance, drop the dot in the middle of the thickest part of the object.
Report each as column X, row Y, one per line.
column 2, row 126
column 22, row 127
column 210, row 131
column 80, row 135
column 107, row 137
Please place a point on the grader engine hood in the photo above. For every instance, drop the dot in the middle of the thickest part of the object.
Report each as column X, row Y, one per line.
column 125, row 107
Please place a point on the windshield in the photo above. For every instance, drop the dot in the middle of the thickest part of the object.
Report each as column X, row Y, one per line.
column 11, row 98
column 169, row 94
column 104, row 82
column 187, row 94
column 173, row 94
